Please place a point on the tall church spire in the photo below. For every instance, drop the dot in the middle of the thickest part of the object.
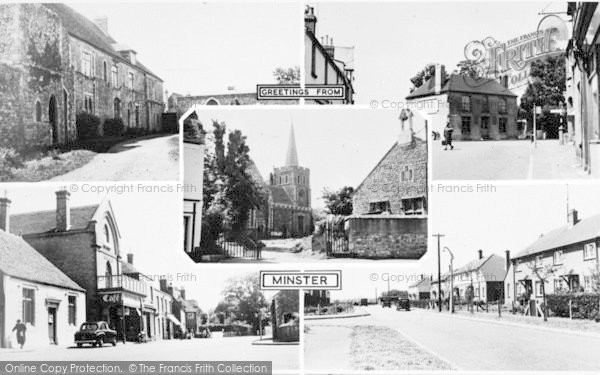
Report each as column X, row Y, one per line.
column 291, row 159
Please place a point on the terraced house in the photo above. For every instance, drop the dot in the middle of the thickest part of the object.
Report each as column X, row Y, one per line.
column 566, row 257
column 55, row 64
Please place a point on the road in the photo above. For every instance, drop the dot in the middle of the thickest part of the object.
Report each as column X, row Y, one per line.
column 284, row 357
column 466, row 344
column 505, row 160
column 136, row 160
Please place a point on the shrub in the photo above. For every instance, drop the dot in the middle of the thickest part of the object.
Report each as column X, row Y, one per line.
column 584, row 305
column 87, row 125
column 212, row 227
column 113, row 127
column 9, row 160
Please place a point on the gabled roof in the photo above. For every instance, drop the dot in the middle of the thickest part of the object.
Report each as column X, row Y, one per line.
column 82, row 28
column 425, row 282
column 45, row 221
column 18, row 259
column 128, row 268
column 492, row 266
column 585, row 230
column 328, row 57
column 464, row 84
column 190, row 305
column 280, row 196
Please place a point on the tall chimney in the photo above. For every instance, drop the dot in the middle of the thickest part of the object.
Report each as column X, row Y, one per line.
column 102, row 23
column 130, row 258
column 163, row 285
column 182, row 293
column 438, row 78
column 406, row 135
column 573, row 218
column 480, row 252
column 63, row 211
column 310, row 20
column 4, row 214
column 507, row 260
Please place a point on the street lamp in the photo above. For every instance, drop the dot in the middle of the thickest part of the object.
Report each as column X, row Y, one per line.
column 451, row 279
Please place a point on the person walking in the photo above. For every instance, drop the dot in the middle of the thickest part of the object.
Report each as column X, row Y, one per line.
column 20, row 328
column 448, row 136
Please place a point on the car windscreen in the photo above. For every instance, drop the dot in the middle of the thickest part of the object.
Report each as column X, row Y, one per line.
column 89, row 326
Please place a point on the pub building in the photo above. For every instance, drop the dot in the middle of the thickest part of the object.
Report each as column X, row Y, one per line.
column 84, row 243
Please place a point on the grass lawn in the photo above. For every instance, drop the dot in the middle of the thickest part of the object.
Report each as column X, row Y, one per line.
column 382, row 348
column 50, row 165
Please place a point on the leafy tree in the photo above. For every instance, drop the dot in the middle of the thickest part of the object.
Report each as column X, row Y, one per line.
column 287, row 76
column 548, row 82
column 339, row 202
column 426, row 73
column 543, row 274
column 468, row 68
column 242, row 299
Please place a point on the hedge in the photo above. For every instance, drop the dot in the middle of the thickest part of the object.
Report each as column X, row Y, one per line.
column 113, row 127
column 88, row 125
column 584, row 305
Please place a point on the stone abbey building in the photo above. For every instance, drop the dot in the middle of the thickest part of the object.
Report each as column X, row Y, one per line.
column 55, row 63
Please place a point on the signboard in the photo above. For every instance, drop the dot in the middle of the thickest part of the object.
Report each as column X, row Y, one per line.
column 112, row 298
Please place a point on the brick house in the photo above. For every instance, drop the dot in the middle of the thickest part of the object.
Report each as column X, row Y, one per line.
column 478, row 109
column 570, row 251
column 390, row 206
column 55, row 64
column 326, row 64
column 314, row 298
column 33, row 290
column 484, row 275
column 84, row 243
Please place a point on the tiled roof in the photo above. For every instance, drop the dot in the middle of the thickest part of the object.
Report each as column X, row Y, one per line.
column 584, row 230
column 128, row 268
column 45, row 221
column 280, row 196
column 20, row 260
column 460, row 83
column 492, row 266
column 86, row 30
column 424, row 282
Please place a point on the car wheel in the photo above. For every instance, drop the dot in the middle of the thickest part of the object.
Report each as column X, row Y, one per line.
column 100, row 342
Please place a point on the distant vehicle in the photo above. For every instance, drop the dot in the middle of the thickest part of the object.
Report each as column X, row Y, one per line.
column 96, row 334
column 403, row 304
column 386, row 301
column 364, row 302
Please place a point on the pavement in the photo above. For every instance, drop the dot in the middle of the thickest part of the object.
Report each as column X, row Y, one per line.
column 466, row 344
column 151, row 159
column 505, row 160
column 284, row 357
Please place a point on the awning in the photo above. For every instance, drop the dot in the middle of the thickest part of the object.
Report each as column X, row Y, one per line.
column 172, row 318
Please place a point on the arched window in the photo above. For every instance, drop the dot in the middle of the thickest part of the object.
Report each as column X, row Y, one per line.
column 212, row 102
column 38, row 111
column 106, row 234
column 104, row 71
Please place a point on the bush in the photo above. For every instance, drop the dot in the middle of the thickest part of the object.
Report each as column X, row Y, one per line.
column 9, row 160
column 87, row 125
column 212, row 227
column 584, row 305
column 113, row 127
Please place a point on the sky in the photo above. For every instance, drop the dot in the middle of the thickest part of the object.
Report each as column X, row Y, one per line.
column 395, row 40
column 148, row 223
column 203, row 48
column 339, row 146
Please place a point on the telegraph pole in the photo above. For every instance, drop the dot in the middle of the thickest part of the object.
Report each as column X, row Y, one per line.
column 439, row 236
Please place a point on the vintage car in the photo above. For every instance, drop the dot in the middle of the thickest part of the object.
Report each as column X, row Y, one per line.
column 96, row 334
column 403, row 304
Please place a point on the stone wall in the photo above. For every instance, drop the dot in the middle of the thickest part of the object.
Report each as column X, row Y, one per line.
column 384, row 236
column 385, row 182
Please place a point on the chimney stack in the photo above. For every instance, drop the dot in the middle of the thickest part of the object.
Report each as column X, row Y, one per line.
column 406, row 135
column 310, row 20
column 573, row 218
column 130, row 258
column 102, row 23
column 163, row 285
column 507, row 260
column 480, row 252
column 4, row 214
column 63, row 210
column 182, row 293
column 438, row 78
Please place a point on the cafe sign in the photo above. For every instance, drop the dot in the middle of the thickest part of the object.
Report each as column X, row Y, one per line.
column 111, row 298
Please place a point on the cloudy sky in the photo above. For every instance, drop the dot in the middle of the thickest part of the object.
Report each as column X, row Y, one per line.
column 395, row 40
column 203, row 48
column 340, row 146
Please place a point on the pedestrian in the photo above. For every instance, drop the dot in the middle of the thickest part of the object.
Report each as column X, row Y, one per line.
column 20, row 328
column 448, row 136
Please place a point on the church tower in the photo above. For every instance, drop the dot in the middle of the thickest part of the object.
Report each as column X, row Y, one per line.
column 293, row 178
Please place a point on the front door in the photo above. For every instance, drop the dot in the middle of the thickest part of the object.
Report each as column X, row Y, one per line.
column 52, row 325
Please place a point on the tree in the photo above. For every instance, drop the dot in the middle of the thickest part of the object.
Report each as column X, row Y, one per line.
column 548, row 82
column 289, row 76
column 426, row 73
column 543, row 274
column 339, row 202
column 469, row 68
column 242, row 299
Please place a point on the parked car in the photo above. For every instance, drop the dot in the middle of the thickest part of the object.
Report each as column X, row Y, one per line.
column 386, row 302
column 364, row 302
column 403, row 304
column 96, row 334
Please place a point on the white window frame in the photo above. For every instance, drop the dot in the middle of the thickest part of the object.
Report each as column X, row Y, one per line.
column 594, row 250
column 86, row 65
column 558, row 257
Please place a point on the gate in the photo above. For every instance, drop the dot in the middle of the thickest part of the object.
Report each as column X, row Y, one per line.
column 234, row 249
column 336, row 239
